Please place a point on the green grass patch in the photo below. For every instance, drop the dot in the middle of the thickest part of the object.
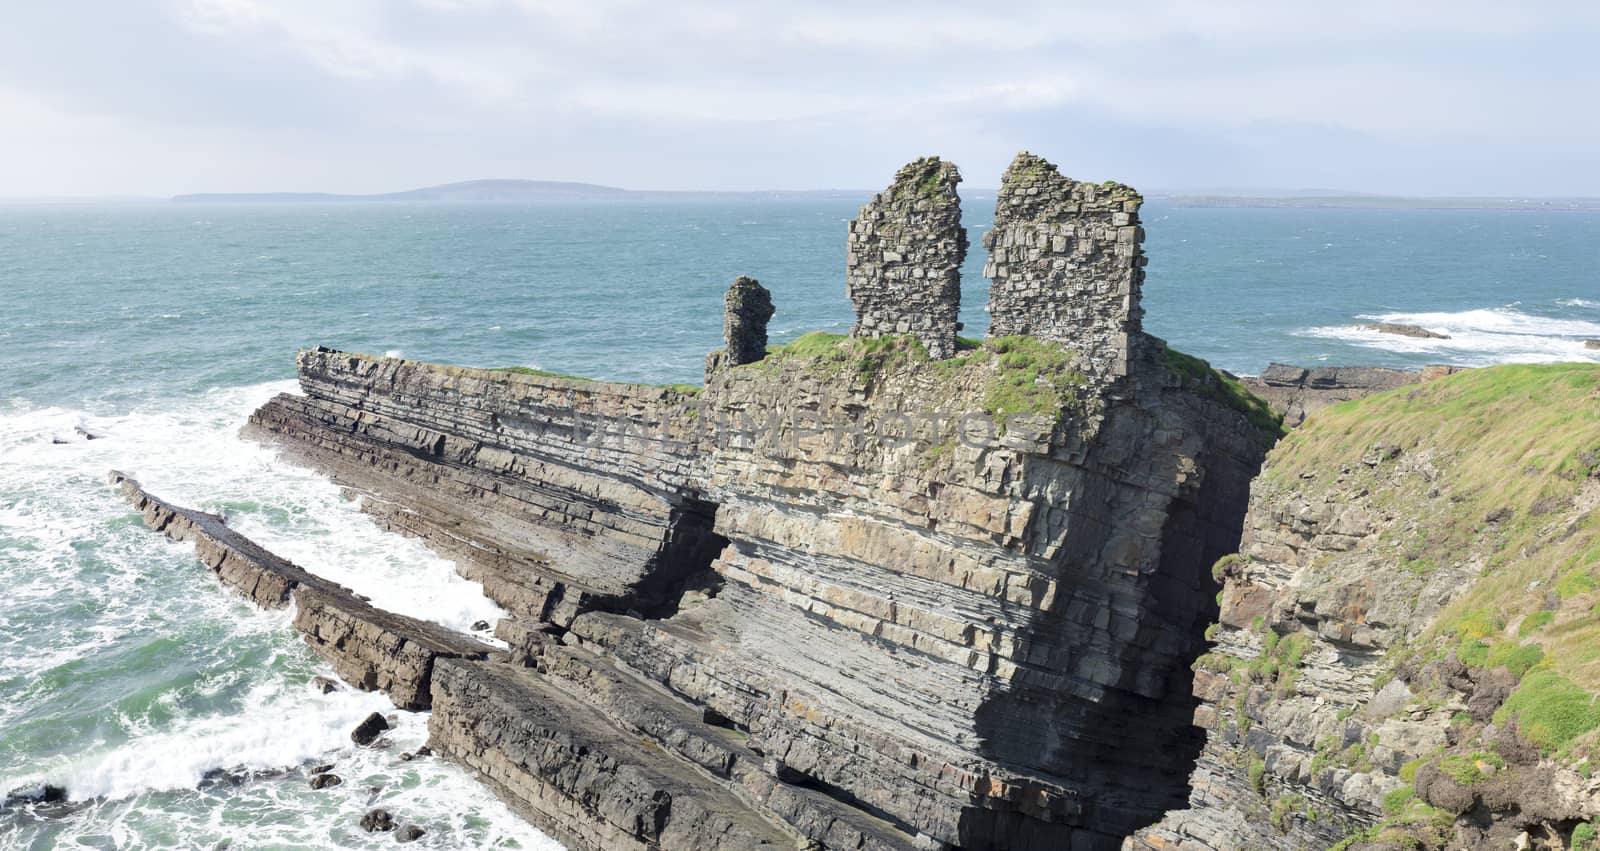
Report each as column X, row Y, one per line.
column 1034, row 378
column 1551, row 710
column 541, row 373
column 1197, row 375
column 1535, row 622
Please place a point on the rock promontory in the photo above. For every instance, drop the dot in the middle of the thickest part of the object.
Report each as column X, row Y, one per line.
column 892, row 590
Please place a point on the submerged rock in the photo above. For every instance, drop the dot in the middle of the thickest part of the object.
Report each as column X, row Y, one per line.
column 368, row 730
column 326, row 685
column 409, row 833
column 1591, row 344
column 1403, row 330
column 44, row 793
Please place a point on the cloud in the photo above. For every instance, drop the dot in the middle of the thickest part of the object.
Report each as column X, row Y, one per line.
column 825, row 93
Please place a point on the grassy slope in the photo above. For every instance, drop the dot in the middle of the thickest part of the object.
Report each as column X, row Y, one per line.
column 1516, row 450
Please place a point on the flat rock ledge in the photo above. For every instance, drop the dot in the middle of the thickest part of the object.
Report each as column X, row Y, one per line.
column 370, row 648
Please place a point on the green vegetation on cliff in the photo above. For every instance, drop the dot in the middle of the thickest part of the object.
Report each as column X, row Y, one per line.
column 1451, row 527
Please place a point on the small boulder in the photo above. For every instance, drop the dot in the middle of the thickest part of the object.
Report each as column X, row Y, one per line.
column 324, row 781
column 1591, row 344
column 320, row 769
column 424, row 751
column 377, row 820
column 368, row 731
column 480, row 626
column 326, row 685
column 409, row 833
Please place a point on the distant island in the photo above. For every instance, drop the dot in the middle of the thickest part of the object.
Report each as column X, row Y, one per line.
column 500, row 191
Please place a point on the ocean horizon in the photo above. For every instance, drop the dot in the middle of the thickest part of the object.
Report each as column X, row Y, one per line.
column 175, row 714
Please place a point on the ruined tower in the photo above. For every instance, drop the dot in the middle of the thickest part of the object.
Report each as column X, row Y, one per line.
column 746, row 309
column 1065, row 263
column 904, row 258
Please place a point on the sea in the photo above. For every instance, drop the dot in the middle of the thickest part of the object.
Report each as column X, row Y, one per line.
column 178, row 716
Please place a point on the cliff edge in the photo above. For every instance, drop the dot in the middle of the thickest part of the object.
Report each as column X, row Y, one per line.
column 897, row 589
column 1405, row 655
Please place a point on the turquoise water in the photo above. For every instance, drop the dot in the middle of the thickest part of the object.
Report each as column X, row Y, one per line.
column 127, row 676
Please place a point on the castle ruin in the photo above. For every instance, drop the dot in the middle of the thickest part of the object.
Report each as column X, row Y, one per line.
column 904, row 258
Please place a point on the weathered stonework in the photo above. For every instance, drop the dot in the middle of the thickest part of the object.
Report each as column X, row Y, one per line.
column 1065, row 263
column 785, row 603
column 904, row 258
column 746, row 310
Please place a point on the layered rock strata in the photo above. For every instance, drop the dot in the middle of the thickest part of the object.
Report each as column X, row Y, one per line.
column 1403, row 657
column 1066, row 262
column 1296, row 392
column 370, row 648
column 904, row 258
column 885, row 600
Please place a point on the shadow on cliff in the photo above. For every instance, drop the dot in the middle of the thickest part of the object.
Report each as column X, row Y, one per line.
column 1107, row 705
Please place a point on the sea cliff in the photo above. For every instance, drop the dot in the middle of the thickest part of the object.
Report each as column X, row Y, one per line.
column 893, row 590
column 1405, row 652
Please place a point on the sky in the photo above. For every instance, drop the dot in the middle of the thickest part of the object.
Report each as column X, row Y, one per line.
column 161, row 97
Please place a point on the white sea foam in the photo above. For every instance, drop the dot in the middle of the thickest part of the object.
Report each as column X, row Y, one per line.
column 89, row 587
column 1477, row 337
column 1579, row 302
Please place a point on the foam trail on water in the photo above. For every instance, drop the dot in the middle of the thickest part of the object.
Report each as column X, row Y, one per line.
column 1481, row 337
column 131, row 676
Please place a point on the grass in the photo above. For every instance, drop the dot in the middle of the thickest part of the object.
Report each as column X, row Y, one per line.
column 1552, row 712
column 1198, row 375
column 1034, row 378
column 685, row 389
column 1511, row 448
column 1029, row 377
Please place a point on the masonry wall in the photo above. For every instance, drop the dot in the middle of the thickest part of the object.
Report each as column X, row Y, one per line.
column 904, row 258
column 1066, row 263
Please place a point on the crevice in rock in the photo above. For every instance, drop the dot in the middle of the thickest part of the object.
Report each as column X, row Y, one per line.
column 683, row 563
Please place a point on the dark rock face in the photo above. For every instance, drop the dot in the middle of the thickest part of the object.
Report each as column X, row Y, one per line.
column 732, row 628
column 1066, row 263
column 376, row 821
column 1297, row 393
column 1404, row 330
column 369, row 647
column 746, row 310
column 904, row 258
column 42, row 794
column 369, row 729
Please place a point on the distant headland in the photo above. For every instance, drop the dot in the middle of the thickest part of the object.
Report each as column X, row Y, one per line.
column 504, row 190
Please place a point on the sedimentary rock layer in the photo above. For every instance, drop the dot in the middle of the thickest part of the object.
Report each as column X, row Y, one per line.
column 370, row 648
column 888, row 592
column 1403, row 653
column 994, row 628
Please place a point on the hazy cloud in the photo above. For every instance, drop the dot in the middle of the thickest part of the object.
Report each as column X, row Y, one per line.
column 165, row 96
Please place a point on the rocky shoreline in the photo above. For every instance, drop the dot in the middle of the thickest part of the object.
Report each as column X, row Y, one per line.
column 901, row 589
